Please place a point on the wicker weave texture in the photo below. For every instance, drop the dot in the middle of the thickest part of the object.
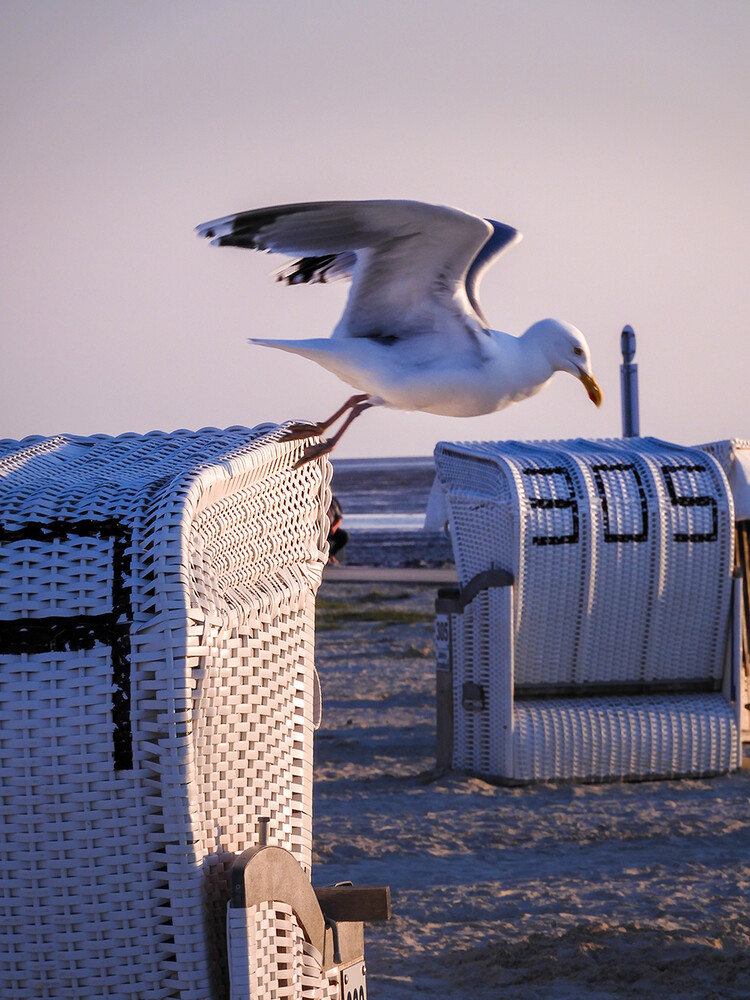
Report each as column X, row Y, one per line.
column 622, row 556
column 734, row 458
column 596, row 739
column 271, row 960
column 156, row 699
column 621, row 551
column 482, row 655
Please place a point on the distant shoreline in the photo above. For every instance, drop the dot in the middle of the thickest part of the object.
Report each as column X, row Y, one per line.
column 384, row 502
column 403, row 460
column 398, row 549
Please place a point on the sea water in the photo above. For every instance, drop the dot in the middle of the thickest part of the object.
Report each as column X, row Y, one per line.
column 384, row 502
column 383, row 492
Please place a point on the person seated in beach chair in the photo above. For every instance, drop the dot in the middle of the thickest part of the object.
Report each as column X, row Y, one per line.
column 337, row 537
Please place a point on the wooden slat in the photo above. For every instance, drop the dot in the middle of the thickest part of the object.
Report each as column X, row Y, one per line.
column 355, row 902
column 444, row 719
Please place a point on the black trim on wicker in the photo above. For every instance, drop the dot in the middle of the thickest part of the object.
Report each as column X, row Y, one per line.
column 28, row 635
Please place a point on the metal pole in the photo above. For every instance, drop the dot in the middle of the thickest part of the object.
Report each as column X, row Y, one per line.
column 629, row 384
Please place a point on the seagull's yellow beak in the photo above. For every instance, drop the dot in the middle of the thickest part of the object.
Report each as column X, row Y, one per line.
column 592, row 387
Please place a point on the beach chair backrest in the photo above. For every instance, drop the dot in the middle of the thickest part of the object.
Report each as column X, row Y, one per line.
column 157, row 695
column 621, row 552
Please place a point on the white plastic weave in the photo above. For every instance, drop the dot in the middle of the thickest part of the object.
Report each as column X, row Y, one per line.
column 271, row 960
column 156, row 699
column 596, row 739
column 622, row 553
column 734, row 457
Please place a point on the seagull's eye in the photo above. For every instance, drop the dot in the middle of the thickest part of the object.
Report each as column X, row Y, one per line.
column 578, row 351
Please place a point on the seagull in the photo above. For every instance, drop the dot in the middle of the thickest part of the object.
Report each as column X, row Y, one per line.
column 412, row 335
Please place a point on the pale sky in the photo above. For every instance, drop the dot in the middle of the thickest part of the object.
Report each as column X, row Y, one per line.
column 615, row 134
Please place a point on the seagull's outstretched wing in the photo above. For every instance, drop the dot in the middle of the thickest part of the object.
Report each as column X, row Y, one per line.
column 502, row 238
column 415, row 268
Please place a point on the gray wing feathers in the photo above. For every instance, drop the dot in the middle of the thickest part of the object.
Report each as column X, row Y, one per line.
column 501, row 239
column 318, row 270
column 309, row 229
column 409, row 262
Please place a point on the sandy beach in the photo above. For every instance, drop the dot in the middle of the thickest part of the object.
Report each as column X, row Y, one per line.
column 556, row 892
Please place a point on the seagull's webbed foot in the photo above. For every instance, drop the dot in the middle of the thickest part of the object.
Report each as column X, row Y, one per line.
column 299, row 430
column 356, row 405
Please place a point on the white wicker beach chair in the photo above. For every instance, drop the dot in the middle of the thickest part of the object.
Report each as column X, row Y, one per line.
column 734, row 458
column 604, row 654
column 157, row 697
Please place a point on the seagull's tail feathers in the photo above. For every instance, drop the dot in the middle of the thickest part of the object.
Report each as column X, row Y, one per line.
column 281, row 345
column 315, row 349
column 334, row 356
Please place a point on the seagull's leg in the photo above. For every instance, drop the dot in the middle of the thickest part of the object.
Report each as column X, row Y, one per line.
column 324, row 447
column 300, row 430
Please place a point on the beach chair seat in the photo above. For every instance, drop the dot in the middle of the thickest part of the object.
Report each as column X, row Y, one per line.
column 590, row 637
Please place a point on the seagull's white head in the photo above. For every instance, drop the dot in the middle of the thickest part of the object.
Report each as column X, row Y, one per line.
column 566, row 350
